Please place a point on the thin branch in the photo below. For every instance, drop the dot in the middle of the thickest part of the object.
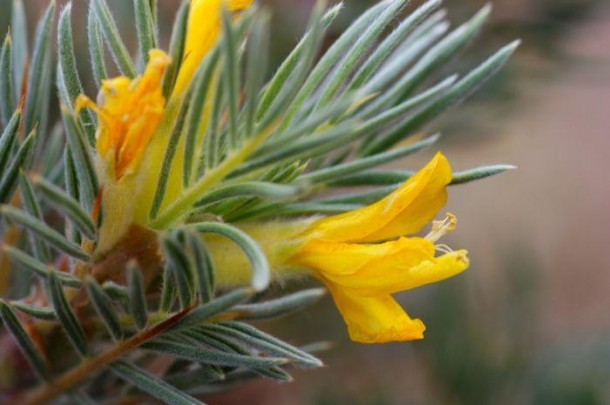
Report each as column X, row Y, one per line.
column 46, row 393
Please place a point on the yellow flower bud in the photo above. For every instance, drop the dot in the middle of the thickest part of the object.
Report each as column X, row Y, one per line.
column 203, row 30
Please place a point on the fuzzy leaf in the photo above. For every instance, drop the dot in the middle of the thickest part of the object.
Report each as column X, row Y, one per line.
column 39, row 268
column 204, row 269
column 168, row 291
column 43, row 231
column 96, row 48
column 183, row 273
column 9, row 177
column 389, row 44
column 32, row 207
column 66, row 316
column 457, row 93
column 212, row 308
column 35, row 103
column 152, row 385
column 88, row 185
column 168, row 159
column 72, row 188
column 68, row 206
column 203, row 95
column 176, row 47
column 31, row 352
column 306, row 47
column 266, row 343
column 19, row 36
column 104, row 307
column 349, row 62
column 280, row 306
column 211, row 356
column 261, row 275
column 113, row 38
column 338, row 171
column 478, row 173
column 68, row 70
column 145, row 28
column 261, row 189
column 7, row 140
column 137, row 298
column 7, row 98
column 44, row 313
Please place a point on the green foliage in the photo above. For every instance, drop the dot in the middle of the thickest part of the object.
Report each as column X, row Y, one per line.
column 270, row 148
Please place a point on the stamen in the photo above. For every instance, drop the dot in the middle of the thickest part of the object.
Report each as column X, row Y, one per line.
column 441, row 228
column 443, row 248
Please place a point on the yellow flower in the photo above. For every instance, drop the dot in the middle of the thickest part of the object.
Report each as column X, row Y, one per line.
column 204, row 27
column 135, row 121
column 361, row 256
column 130, row 112
column 362, row 275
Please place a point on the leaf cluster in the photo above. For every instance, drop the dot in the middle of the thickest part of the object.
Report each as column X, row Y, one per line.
column 252, row 145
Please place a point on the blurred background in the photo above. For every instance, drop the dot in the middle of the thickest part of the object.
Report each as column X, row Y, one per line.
column 528, row 323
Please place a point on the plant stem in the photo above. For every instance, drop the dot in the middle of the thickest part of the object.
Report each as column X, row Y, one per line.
column 182, row 205
column 45, row 393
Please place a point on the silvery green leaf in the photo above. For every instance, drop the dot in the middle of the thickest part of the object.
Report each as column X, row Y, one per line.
column 331, row 57
column 478, row 173
column 30, row 351
column 145, row 27
column 66, row 315
column 68, row 206
column 457, row 93
column 280, row 306
column 349, row 63
column 176, row 47
column 265, row 342
column 389, row 44
column 7, row 98
column 353, row 167
column 297, row 62
column 19, row 34
column 178, row 261
column 216, row 306
column 168, row 159
column 211, row 356
column 152, row 385
column 68, row 70
column 271, row 191
column 137, row 297
column 32, row 206
column 35, row 103
column 104, row 307
column 44, row 313
column 9, row 177
column 261, row 275
column 7, row 141
column 96, row 48
column 39, row 268
column 82, row 158
column 113, row 38
column 44, row 232
column 204, row 268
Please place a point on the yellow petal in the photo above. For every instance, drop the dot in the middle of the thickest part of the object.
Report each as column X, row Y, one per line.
column 384, row 268
column 407, row 210
column 203, row 30
column 336, row 259
column 375, row 319
column 130, row 112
